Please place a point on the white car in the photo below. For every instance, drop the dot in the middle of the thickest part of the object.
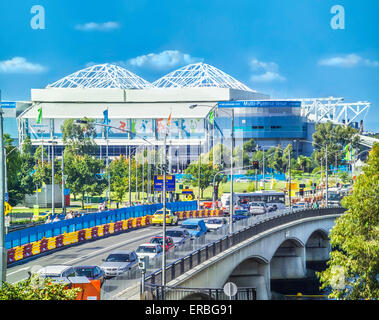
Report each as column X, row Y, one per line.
column 258, row 208
column 215, row 223
column 151, row 250
column 242, row 180
column 56, row 271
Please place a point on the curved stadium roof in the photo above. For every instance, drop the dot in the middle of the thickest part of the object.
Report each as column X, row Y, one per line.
column 199, row 75
column 102, row 76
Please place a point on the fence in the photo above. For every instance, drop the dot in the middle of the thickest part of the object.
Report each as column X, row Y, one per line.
column 209, row 250
column 182, row 293
column 36, row 240
column 196, row 251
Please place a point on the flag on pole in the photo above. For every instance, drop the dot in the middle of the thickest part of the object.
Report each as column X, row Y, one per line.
column 211, row 117
column 106, row 119
column 39, row 117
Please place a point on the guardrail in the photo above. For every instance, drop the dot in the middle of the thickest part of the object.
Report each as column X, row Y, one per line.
column 58, row 239
column 157, row 292
column 194, row 252
column 191, row 260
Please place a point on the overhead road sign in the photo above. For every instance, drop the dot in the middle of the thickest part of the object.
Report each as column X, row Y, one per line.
column 158, row 183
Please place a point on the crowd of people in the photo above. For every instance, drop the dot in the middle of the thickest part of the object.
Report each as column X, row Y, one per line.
column 69, row 215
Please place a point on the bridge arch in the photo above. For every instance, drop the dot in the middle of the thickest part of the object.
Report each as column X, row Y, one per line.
column 317, row 246
column 288, row 261
column 253, row 272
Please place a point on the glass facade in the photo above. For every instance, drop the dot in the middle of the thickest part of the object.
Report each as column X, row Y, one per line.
column 268, row 122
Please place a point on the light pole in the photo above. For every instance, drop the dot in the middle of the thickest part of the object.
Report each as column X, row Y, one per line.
column 231, row 158
column 79, row 122
column 63, row 184
column 53, row 142
column 3, row 258
column 198, row 180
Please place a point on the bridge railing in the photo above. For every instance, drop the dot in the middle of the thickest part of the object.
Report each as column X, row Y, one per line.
column 195, row 252
column 156, row 292
column 209, row 250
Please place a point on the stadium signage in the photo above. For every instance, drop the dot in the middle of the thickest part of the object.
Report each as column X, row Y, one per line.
column 258, row 104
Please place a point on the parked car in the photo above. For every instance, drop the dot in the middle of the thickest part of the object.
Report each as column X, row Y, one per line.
column 258, row 208
column 56, row 271
column 171, row 218
column 179, row 235
column 91, row 272
column 195, row 227
column 215, row 223
column 240, row 215
column 245, row 180
column 119, row 262
column 159, row 240
column 151, row 250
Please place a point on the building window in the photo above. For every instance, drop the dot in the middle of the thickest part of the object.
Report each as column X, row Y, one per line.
column 258, row 127
column 276, row 127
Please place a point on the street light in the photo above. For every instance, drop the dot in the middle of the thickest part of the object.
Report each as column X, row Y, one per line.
column 53, row 142
column 79, row 122
column 231, row 211
column 3, row 258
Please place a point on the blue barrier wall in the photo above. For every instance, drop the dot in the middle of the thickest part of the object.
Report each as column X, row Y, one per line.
column 28, row 235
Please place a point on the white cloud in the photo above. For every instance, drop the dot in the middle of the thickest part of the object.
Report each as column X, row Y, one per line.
column 348, row 61
column 163, row 60
column 20, row 65
column 269, row 71
column 93, row 26
column 268, row 76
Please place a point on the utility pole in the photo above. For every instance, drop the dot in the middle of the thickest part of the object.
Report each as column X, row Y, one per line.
column 130, row 178
column 263, row 168
column 231, row 179
column 289, row 178
column 3, row 258
column 198, row 182
column 52, row 177
column 164, row 221
column 326, row 172
column 63, row 184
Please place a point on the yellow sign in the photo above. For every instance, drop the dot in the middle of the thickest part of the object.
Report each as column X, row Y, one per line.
column 7, row 208
column 190, row 197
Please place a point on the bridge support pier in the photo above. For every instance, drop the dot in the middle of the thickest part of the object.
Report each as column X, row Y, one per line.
column 288, row 263
column 253, row 272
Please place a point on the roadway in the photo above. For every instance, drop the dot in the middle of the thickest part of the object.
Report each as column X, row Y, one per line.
column 88, row 253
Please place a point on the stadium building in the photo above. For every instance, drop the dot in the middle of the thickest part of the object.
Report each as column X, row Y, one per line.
column 138, row 109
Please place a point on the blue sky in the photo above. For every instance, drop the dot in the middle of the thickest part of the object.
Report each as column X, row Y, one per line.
column 284, row 48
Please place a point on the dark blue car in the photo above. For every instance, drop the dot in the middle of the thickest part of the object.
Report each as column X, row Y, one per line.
column 91, row 272
column 240, row 215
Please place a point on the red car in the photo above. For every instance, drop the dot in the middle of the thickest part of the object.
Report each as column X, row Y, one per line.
column 159, row 239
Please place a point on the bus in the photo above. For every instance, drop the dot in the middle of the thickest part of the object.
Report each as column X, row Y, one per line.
column 269, row 197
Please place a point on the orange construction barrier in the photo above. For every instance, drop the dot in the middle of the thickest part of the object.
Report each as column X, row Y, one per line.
column 90, row 291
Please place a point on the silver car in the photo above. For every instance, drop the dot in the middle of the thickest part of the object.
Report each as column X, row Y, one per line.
column 258, row 208
column 119, row 262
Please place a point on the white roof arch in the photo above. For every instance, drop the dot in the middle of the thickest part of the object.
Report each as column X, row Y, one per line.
column 199, row 75
column 102, row 76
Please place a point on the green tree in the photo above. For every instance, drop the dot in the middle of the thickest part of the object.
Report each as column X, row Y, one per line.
column 79, row 139
column 84, row 175
column 37, row 288
column 335, row 137
column 20, row 167
column 353, row 266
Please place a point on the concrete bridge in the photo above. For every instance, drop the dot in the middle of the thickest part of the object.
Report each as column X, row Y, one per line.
column 277, row 252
